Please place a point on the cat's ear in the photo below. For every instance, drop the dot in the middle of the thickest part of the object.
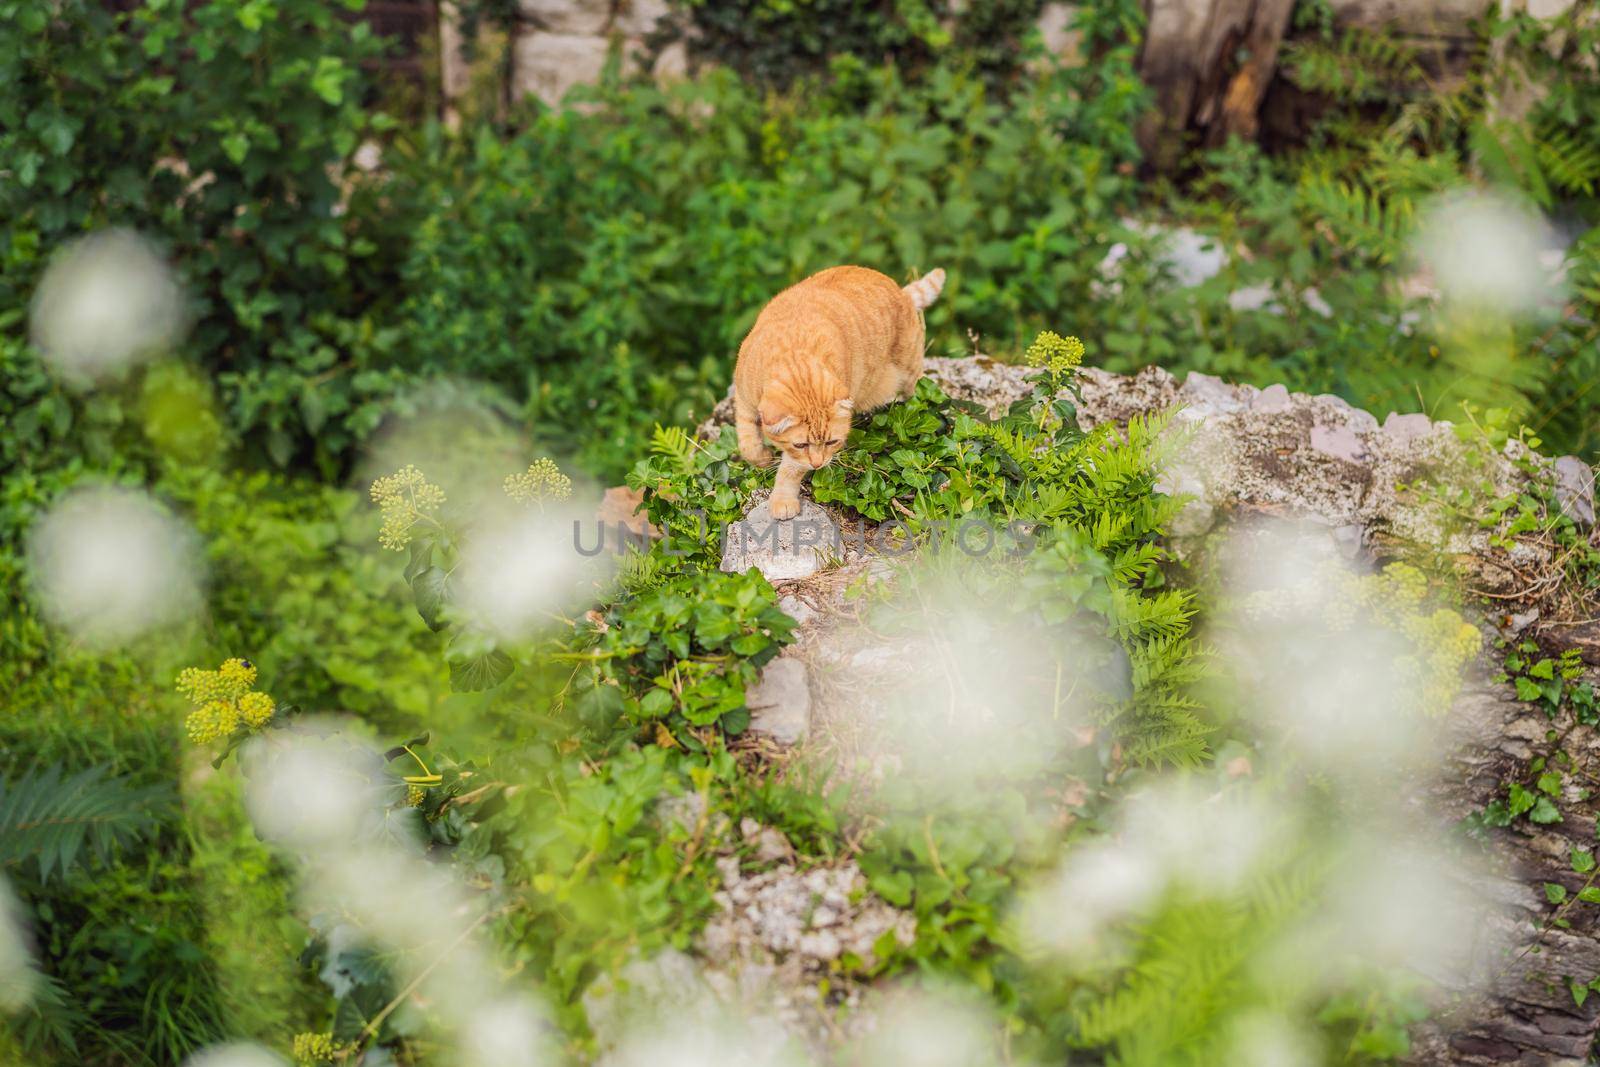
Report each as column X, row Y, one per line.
column 844, row 407
column 774, row 419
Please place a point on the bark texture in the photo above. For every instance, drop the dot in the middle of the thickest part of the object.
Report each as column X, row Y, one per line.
column 1208, row 63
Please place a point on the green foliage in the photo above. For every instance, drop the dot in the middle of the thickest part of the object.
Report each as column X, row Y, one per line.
column 680, row 655
column 1389, row 136
column 775, row 41
column 1556, row 684
column 693, row 489
column 56, row 820
column 168, row 117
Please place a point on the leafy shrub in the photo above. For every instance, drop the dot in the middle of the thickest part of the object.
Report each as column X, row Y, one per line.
column 774, row 41
column 168, row 118
column 681, row 655
column 639, row 241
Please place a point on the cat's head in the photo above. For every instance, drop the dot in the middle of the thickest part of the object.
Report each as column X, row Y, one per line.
column 808, row 426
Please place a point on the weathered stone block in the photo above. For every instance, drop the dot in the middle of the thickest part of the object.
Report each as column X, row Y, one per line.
column 581, row 17
column 546, row 65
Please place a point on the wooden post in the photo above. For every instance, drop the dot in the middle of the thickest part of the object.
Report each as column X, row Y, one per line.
column 453, row 73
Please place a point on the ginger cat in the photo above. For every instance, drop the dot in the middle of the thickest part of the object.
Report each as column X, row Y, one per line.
column 846, row 339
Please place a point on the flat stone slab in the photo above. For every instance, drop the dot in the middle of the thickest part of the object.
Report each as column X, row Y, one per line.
column 793, row 548
column 780, row 702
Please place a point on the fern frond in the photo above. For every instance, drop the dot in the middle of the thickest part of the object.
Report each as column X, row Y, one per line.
column 1357, row 67
column 54, row 819
column 674, row 443
column 1359, row 219
column 1571, row 163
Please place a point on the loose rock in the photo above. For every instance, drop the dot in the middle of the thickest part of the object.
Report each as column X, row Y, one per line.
column 794, row 548
column 780, row 703
column 1575, row 489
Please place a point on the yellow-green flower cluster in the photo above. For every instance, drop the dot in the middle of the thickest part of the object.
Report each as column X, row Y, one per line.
column 1441, row 642
column 415, row 795
column 405, row 496
column 540, row 482
column 224, row 700
column 313, row 1049
column 1055, row 353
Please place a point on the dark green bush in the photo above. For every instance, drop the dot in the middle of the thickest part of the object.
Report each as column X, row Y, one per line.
column 775, row 41
column 224, row 130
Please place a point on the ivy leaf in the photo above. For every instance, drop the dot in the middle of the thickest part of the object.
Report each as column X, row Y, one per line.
column 1527, row 690
column 1554, row 892
column 58, row 137
column 1582, row 862
column 1550, row 782
column 735, row 722
column 421, row 556
column 1545, row 669
column 1544, row 813
column 481, row 672
column 655, row 704
column 1590, row 894
column 328, row 80
column 1519, row 798
column 236, row 146
column 894, row 887
column 428, row 590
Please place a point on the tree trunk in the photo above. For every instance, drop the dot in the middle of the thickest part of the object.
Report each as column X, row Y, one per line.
column 1209, row 62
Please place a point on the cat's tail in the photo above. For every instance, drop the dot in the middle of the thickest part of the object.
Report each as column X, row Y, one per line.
column 926, row 289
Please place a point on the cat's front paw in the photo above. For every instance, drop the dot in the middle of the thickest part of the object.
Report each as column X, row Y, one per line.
column 756, row 455
column 785, row 507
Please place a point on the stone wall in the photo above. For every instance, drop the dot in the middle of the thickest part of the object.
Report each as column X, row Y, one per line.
column 1209, row 61
column 561, row 43
column 557, row 44
column 1253, row 458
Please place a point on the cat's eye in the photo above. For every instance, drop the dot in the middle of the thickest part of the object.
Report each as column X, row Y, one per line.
column 833, row 442
column 800, row 445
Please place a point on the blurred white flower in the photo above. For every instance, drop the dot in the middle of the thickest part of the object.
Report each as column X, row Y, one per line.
column 1398, row 904
column 319, row 791
column 507, row 1031
column 1097, row 885
column 972, row 690
column 1325, row 681
column 1263, row 1039
column 1210, row 841
column 1486, row 251
column 237, row 1054
column 106, row 302
column 18, row 979
column 520, row 567
column 308, row 793
column 929, row 1030
column 109, row 564
column 731, row 1043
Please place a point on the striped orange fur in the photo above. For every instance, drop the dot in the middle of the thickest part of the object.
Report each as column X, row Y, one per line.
column 846, row 339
